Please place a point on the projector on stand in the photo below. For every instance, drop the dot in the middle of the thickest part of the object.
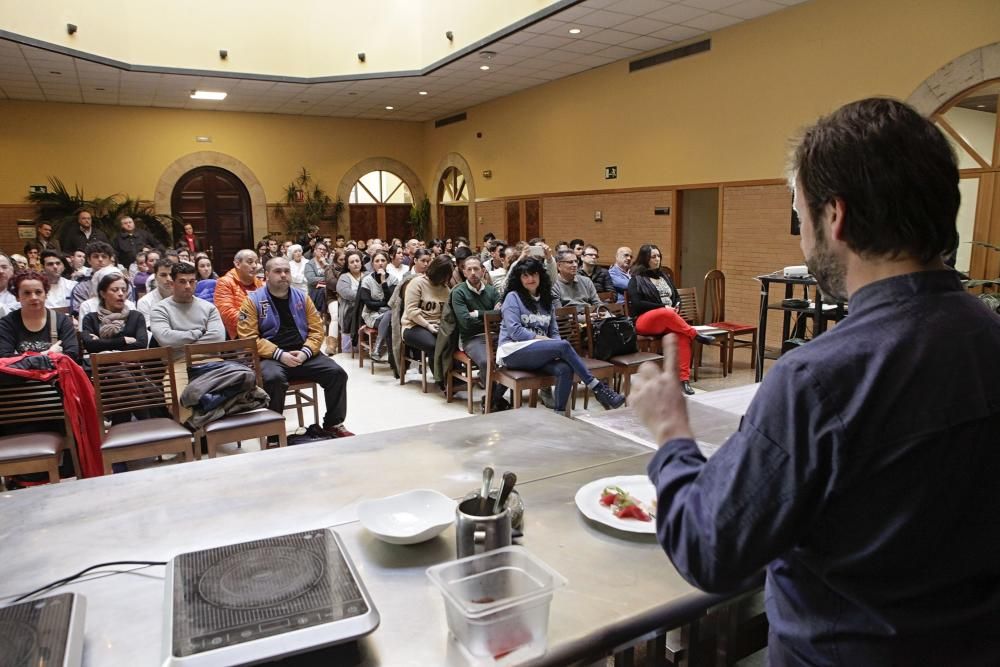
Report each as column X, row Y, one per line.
column 796, row 271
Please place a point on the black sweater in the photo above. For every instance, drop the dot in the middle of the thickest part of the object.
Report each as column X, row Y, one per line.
column 135, row 327
column 644, row 297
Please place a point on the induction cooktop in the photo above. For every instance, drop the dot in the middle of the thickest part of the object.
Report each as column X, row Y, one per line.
column 260, row 600
column 46, row 631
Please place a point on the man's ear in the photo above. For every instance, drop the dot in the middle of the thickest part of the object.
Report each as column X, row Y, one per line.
column 836, row 210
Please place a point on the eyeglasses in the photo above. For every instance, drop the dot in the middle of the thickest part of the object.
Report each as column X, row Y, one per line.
column 567, row 261
column 590, row 254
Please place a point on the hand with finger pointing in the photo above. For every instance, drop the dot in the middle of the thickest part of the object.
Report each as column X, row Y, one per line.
column 658, row 399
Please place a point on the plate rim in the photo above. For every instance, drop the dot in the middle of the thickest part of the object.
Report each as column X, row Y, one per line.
column 642, row 527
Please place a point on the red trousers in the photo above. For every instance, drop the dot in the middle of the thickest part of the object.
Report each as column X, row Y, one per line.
column 662, row 321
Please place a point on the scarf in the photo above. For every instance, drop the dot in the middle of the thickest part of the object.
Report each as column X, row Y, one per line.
column 111, row 323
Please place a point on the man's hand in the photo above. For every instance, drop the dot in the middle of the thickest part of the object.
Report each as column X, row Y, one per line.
column 657, row 398
column 291, row 359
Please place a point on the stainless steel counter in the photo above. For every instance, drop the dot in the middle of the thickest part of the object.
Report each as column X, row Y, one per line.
column 614, row 579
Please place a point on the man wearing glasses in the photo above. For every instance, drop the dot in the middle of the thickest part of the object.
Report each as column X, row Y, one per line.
column 573, row 289
column 597, row 274
column 619, row 272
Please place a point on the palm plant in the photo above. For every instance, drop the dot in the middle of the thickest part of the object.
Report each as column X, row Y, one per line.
column 306, row 204
column 420, row 216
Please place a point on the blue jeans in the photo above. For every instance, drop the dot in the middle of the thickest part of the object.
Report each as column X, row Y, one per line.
column 552, row 357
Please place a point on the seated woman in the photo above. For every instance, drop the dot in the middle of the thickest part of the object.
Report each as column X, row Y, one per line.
column 396, row 268
column 374, row 293
column 655, row 305
column 32, row 327
column 334, row 268
column 204, row 266
column 114, row 326
column 423, row 305
column 315, row 273
column 347, row 294
column 297, row 264
column 529, row 337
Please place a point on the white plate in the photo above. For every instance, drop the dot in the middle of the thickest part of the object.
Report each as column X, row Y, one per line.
column 588, row 499
column 408, row 518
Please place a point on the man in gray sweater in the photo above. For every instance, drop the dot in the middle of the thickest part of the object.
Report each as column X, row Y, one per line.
column 183, row 319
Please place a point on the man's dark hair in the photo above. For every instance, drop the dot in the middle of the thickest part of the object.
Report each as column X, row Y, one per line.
column 461, row 239
column 164, row 262
column 339, row 237
column 530, row 265
column 895, row 172
column 172, row 255
column 462, row 253
column 440, row 270
column 536, row 240
column 494, row 244
column 575, row 242
column 182, row 269
column 488, row 236
column 51, row 253
column 101, row 247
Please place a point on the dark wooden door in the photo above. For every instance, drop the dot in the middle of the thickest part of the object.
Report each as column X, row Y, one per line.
column 217, row 205
column 456, row 221
column 513, row 216
column 364, row 221
column 524, row 219
column 532, row 219
column 397, row 224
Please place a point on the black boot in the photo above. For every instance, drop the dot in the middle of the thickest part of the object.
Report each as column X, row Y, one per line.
column 686, row 388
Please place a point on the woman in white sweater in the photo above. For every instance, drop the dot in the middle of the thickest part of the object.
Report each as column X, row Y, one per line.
column 298, row 266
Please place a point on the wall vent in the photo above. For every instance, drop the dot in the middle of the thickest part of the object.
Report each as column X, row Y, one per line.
column 457, row 118
column 672, row 54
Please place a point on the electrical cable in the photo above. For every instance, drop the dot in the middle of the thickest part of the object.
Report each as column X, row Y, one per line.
column 66, row 580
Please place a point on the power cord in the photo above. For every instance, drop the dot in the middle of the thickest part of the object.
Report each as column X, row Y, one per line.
column 66, row 580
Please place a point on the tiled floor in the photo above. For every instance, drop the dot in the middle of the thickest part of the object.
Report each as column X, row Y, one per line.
column 378, row 403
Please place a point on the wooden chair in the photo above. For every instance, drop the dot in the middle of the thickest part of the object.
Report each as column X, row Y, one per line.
column 259, row 423
column 138, row 380
column 516, row 380
column 608, row 297
column 302, row 394
column 689, row 311
column 21, row 454
column 626, row 365
column 715, row 315
column 570, row 330
column 366, row 343
column 461, row 370
column 645, row 343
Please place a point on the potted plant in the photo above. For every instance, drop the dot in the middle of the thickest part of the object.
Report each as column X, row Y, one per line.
column 306, row 204
column 420, row 216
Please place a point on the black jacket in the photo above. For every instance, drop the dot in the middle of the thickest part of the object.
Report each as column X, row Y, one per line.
column 601, row 279
column 643, row 297
column 73, row 239
column 127, row 246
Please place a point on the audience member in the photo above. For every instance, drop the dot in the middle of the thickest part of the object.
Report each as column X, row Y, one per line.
column 297, row 264
column 347, row 294
column 78, row 236
column 573, row 288
column 597, row 273
column 189, row 241
column 529, row 337
column 162, row 287
column 334, row 268
column 129, row 241
column 60, row 288
column 374, row 293
column 20, row 262
column 315, row 273
column 100, row 255
column 43, row 234
column 655, row 305
column 184, row 255
column 33, row 253
column 620, row 272
column 203, row 265
column 32, row 327
column 396, row 267
column 470, row 300
column 78, row 266
column 232, row 288
column 577, row 246
column 115, row 325
column 423, row 305
column 289, row 334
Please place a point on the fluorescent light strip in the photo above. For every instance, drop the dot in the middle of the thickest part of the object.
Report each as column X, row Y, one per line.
column 207, row 95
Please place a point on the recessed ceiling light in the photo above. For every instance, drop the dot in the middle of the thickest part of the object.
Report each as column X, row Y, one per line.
column 574, row 31
column 207, row 95
column 422, row 92
column 389, row 108
column 980, row 106
column 487, row 55
column 484, row 67
column 55, row 72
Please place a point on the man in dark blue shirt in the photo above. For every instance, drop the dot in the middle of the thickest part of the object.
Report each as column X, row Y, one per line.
column 863, row 475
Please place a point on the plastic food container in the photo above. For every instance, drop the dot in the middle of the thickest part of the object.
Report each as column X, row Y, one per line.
column 498, row 602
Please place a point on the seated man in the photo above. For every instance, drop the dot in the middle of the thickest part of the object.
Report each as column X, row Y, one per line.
column 289, row 332
column 597, row 273
column 163, row 287
column 99, row 255
column 470, row 300
column 231, row 290
column 59, row 288
column 181, row 319
column 572, row 288
column 620, row 271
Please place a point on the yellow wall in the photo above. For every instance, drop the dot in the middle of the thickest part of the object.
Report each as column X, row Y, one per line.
column 719, row 116
column 308, row 38
column 124, row 149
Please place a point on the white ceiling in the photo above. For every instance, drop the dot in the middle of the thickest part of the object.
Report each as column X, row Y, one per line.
column 610, row 30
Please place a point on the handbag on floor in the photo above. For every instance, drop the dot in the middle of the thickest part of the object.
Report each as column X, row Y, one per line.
column 613, row 336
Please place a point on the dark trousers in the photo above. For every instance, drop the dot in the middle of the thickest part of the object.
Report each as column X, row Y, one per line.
column 321, row 369
column 421, row 339
column 475, row 347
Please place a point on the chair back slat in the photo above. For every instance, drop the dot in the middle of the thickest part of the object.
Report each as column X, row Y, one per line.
column 715, row 296
column 689, row 304
column 241, row 351
column 134, row 380
column 491, row 326
column 30, row 401
column 569, row 328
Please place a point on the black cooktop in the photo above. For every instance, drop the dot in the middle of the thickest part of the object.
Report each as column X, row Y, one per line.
column 246, row 592
column 46, row 631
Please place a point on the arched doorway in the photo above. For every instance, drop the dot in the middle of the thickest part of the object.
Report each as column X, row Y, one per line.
column 380, row 203
column 972, row 125
column 217, row 205
column 453, row 204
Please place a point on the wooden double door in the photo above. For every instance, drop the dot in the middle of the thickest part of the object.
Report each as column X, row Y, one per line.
column 217, row 205
column 384, row 221
column 524, row 219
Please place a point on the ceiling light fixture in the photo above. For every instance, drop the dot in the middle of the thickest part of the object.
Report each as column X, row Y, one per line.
column 484, row 67
column 421, row 92
column 980, row 106
column 389, row 108
column 207, row 95
column 71, row 28
column 487, row 55
column 574, row 31
column 55, row 72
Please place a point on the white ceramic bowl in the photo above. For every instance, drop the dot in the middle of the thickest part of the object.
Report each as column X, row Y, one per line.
column 408, row 518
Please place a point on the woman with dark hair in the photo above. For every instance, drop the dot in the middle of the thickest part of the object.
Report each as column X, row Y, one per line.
column 204, row 266
column 423, row 305
column 437, row 247
column 33, row 253
column 396, row 268
column 347, row 294
column 529, row 336
column 655, row 304
column 114, row 326
column 449, row 247
column 33, row 327
column 374, row 293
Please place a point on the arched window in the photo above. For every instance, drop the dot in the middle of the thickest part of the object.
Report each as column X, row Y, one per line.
column 452, row 189
column 453, row 204
column 970, row 123
column 380, row 187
